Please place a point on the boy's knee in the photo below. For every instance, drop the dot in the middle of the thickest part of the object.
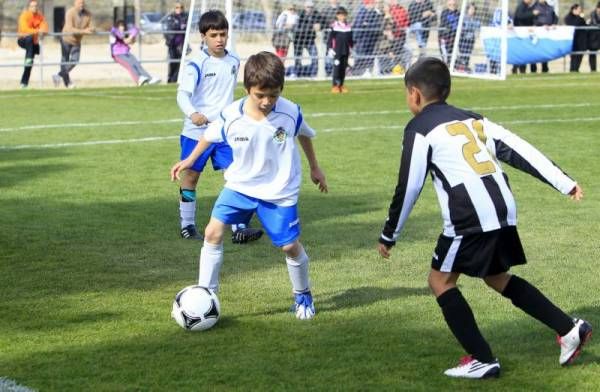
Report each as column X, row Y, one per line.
column 213, row 233
column 292, row 250
column 497, row 282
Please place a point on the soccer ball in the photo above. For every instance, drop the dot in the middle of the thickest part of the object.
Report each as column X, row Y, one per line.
column 196, row 308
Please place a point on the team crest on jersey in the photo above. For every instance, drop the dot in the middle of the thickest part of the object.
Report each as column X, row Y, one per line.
column 279, row 135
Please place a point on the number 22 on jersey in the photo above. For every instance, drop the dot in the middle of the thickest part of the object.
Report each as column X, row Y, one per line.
column 470, row 148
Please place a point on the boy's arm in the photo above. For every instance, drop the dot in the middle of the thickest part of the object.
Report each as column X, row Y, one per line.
column 521, row 155
column 316, row 174
column 411, row 178
column 188, row 162
column 184, row 101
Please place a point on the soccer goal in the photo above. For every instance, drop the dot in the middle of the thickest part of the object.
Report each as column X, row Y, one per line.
column 480, row 46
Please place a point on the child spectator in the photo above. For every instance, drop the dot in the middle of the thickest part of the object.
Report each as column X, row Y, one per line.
column 462, row 150
column 120, row 39
column 339, row 45
column 265, row 175
column 32, row 26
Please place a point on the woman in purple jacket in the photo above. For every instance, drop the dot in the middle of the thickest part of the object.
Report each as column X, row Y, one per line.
column 120, row 39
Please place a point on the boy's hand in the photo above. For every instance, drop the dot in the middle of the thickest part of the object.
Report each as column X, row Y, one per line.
column 178, row 168
column 384, row 251
column 318, row 177
column 576, row 193
column 198, row 118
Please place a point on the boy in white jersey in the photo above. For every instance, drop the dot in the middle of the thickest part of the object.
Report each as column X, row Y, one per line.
column 264, row 177
column 461, row 149
column 206, row 87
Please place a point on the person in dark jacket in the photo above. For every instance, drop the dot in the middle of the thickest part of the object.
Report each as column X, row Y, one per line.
column 574, row 18
column 594, row 36
column 367, row 30
column 448, row 26
column 525, row 14
column 309, row 22
column 545, row 17
column 175, row 22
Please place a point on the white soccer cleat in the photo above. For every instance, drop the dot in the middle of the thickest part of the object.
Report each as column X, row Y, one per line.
column 56, row 79
column 469, row 367
column 154, row 81
column 304, row 306
column 143, row 80
column 571, row 343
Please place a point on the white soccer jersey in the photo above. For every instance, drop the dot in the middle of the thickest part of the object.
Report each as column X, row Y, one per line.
column 461, row 149
column 266, row 162
column 211, row 81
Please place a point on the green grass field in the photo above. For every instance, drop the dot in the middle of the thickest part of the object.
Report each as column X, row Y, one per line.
column 90, row 257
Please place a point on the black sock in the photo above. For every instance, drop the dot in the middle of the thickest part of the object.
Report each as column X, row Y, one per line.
column 460, row 319
column 528, row 298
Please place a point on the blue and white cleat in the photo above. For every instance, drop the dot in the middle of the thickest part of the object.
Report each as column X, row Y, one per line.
column 304, row 306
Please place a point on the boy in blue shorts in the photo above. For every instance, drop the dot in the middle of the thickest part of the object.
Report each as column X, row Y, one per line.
column 206, row 87
column 265, row 175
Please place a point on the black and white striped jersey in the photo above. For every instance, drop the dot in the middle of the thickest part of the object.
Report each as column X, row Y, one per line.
column 461, row 150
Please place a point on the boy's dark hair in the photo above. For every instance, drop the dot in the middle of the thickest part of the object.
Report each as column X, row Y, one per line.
column 264, row 70
column 213, row 19
column 431, row 76
column 341, row 10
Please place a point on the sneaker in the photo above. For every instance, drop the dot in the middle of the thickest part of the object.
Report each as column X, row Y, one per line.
column 335, row 90
column 343, row 89
column 23, row 85
column 57, row 80
column 189, row 233
column 304, row 306
column 154, row 81
column 571, row 343
column 143, row 80
column 469, row 367
column 71, row 85
column 246, row 234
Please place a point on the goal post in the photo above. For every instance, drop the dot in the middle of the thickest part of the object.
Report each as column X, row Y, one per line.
column 480, row 46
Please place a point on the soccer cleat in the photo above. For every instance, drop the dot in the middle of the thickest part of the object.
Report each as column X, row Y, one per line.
column 56, row 79
column 154, row 81
column 189, row 233
column 246, row 234
column 143, row 80
column 23, row 85
column 469, row 367
column 571, row 343
column 343, row 89
column 304, row 306
column 71, row 85
column 335, row 90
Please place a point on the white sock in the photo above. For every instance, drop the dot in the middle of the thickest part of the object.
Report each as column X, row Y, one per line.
column 298, row 271
column 211, row 260
column 187, row 213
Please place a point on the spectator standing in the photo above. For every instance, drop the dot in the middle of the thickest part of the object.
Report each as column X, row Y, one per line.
column 546, row 17
column 447, row 29
column 175, row 25
column 401, row 21
column 524, row 16
column 284, row 30
column 32, row 26
column 421, row 16
column 574, row 18
column 470, row 28
column 305, row 33
column 339, row 44
column 120, row 40
column 328, row 15
column 594, row 36
column 367, row 30
column 78, row 22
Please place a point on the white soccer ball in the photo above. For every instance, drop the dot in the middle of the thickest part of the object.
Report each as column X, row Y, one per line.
column 196, row 308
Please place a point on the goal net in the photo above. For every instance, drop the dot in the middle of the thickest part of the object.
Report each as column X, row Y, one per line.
column 479, row 47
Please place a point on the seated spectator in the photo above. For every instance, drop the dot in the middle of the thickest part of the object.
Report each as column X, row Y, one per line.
column 392, row 54
column 594, row 36
column 574, row 18
column 120, row 41
column 32, row 26
column 284, row 30
column 421, row 15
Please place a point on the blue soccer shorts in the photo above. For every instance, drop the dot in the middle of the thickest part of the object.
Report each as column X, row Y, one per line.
column 281, row 223
column 220, row 154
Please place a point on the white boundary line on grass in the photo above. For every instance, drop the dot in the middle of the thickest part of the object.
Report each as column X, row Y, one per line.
column 8, row 385
column 308, row 115
column 325, row 130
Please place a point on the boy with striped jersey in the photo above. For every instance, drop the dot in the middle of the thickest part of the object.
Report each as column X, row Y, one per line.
column 461, row 150
column 265, row 175
column 206, row 87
